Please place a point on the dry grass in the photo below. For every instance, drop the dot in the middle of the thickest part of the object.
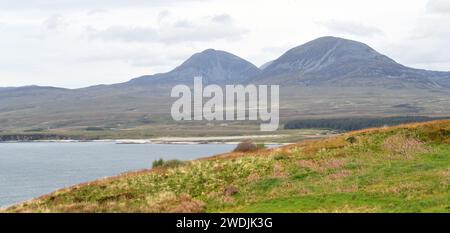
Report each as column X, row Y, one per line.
column 406, row 146
column 320, row 166
column 340, row 174
column 253, row 177
column 181, row 204
column 333, row 163
column 439, row 124
column 328, row 175
column 310, row 164
column 278, row 171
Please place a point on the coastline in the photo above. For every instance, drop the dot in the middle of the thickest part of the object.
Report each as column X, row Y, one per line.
column 166, row 140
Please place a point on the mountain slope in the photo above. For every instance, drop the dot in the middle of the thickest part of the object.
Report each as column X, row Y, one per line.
column 325, row 77
column 215, row 66
column 332, row 61
column 265, row 65
column 144, row 99
column 397, row 169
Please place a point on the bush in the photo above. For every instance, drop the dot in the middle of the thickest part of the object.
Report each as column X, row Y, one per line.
column 158, row 163
column 261, row 146
column 173, row 163
column 167, row 164
column 33, row 130
column 349, row 124
column 92, row 128
column 246, row 146
column 280, row 156
column 351, row 139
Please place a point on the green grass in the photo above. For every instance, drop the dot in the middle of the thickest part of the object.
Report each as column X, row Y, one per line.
column 402, row 186
column 400, row 169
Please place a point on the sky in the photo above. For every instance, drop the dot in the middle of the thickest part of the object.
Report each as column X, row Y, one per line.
column 78, row 43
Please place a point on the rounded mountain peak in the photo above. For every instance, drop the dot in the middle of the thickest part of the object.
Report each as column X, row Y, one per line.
column 215, row 66
column 328, row 54
column 212, row 57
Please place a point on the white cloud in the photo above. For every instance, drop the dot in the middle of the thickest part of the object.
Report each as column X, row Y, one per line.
column 350, row 28
column 96, row 11
column 85, row 4
column 426, row 46
column 162, row 15
column 221, row 18
column 75, row 43
column 55, row 22
column 123, row 33
column 439, row 6
column 207, row 28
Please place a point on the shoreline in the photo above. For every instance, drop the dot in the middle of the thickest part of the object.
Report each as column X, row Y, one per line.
column 233, row 140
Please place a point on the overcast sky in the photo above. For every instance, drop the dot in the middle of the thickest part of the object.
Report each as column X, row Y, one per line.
column 77, row 43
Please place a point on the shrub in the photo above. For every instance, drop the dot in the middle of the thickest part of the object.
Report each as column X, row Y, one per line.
column 261, row 146
column 92, row 128
column 349, row 124
column 158, row 163
column 351, row 140
column 167, row 164
column 33, row 130
column 246, row 146
column 173, row 163
column 280, row 156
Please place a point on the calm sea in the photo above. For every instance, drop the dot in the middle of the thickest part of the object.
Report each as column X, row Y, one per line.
column 28, row 170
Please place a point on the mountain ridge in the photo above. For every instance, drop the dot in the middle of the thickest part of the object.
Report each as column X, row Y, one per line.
column 341, row 62
column 325, row 61
column 313, row 83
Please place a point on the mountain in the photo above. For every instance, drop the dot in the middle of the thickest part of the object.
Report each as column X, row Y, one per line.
column 265, row 65
column 30, row 89
column 215, row 66
column 332, row 61
column 326, row 77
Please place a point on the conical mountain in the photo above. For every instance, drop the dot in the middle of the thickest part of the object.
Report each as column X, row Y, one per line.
column 215, row 66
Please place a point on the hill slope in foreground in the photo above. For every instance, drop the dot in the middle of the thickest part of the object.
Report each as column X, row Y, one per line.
column 397, row 169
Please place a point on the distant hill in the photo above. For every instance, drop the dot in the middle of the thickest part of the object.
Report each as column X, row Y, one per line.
column 332, row 61
column 326, row 77
column 215, row 66
column 30, row 89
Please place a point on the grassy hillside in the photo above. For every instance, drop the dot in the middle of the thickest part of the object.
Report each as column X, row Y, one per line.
column 397, row 169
